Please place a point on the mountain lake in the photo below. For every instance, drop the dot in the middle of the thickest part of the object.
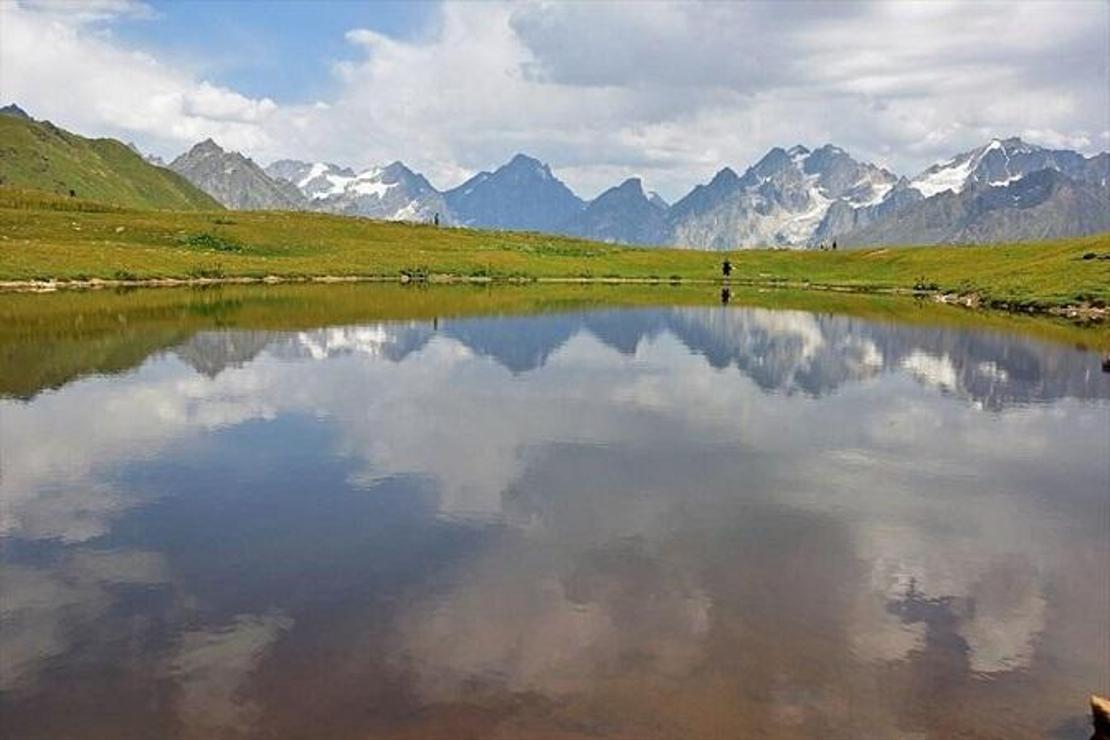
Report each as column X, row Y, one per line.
column 382, row 511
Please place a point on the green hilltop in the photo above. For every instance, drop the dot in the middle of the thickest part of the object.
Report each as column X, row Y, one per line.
column 41, row 156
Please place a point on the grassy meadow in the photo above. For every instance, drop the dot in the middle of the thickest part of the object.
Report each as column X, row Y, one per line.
column 45, row 237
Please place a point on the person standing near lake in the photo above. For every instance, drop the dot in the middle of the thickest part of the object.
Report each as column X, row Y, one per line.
column 726, row 268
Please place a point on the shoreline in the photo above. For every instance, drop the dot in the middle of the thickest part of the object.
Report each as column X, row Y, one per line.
column 1076, row 312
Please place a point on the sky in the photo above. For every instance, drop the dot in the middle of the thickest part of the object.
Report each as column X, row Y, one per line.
column 668, row 91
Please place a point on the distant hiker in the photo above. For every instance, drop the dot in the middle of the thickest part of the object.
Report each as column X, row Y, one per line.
column 726, row 268
column 436, row 219
column 72, row 193
column 726, row 295
column 834, row 245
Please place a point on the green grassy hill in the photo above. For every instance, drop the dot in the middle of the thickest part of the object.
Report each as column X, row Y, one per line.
column 39, row 155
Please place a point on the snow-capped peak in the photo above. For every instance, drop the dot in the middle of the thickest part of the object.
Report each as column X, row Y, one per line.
column 951, row 175
column 991, row 164
column 798, row 153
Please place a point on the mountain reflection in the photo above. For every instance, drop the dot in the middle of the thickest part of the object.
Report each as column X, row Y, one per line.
column 650, row 523
column 781, row 351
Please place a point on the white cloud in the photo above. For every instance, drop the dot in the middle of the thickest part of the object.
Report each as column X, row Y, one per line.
column 670, row 91
column 90, row 11
column 58, row 67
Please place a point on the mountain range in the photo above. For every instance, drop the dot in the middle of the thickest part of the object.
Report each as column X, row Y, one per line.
column 1004, row 190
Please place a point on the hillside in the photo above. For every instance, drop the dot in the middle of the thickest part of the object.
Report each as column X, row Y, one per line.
column 39, row 155
column 44, row 237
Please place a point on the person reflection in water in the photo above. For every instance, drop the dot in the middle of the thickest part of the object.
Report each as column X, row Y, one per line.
column 726, row 295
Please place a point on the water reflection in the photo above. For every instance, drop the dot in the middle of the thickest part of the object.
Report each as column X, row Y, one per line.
column 789, row 351
column 685, row 522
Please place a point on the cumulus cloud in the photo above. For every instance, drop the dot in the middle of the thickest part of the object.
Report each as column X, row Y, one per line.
column 64, row 66
column 671, row 91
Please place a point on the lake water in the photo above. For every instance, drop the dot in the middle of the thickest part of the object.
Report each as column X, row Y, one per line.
column 547, row 519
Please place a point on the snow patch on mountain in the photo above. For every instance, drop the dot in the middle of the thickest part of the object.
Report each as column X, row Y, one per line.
column 782, row 200
column 996, row 164
column 878, row 194
column 952, row 175
column 798, row 228
column 369, row 183
column 316, row 170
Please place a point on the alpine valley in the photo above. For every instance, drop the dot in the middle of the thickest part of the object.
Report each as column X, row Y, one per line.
column 1004, row 190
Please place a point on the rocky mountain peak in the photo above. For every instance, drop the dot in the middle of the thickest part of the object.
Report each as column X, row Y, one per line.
column 521, row 194
column 824, row 157
column 523, row 160
column 15, row 111
column 392, row 193
column 632, row 186
column 235, row 180
column 775, row 160
column 208, row 146
column 726, row 177
column 995, row 164
column 522, row 165
column 396, row 171
column 622, row 214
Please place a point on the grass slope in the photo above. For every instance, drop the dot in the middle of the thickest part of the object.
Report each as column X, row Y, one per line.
column 37, row 154
column 43, row 237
